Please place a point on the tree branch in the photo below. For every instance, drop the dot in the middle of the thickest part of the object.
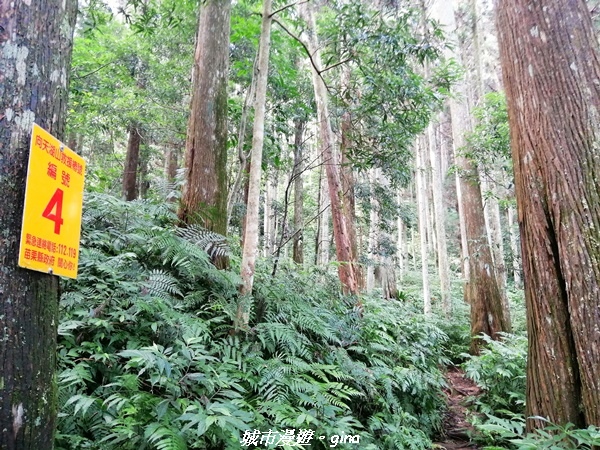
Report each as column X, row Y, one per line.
column 283, row 8
column 94, row 71
column 312, row 62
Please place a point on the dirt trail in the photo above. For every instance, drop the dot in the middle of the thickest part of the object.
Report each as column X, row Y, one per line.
column 456, row 427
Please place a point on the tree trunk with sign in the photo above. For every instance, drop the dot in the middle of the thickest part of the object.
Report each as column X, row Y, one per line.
column 34, row 68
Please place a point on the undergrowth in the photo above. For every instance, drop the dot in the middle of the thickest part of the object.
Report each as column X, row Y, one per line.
column 149, row 360
column 499, row 416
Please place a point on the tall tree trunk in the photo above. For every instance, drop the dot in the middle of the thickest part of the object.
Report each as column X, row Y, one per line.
column 132, row 158
column 349, row 182
column 422, row 205
column 550, row 64
column 204, row 199
column 514, row 248
column 343, row 245
column 373, row 240
column 298, row 253
column 250, row 250
column 322, row 235
column 242, row 174
column 35, row 56
column 464, row 247
column 481, row 291
column 143, row 183
column 171, row 162
column 387, row 270
column 271, row 223
column 491, row 206
column 435, row 152
column 494, row 225
column 401, row 244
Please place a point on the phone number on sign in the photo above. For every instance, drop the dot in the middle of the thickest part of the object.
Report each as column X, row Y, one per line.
column 289, row 438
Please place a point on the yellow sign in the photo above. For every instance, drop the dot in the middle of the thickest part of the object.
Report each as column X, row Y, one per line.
column 53, row 203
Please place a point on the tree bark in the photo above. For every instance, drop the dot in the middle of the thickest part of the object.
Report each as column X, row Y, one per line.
column 514, row 248
column 481, row 291
column 35, row 53
column 387, row 272
column 250, row 249
column 373, row 240
column 435, row 152
column 494, row 226
column 401, row 241
column 242, row 174
column 464, row 247
column 422, row 205
column 491, row 206
column 349, row 182
column 343, row 245
column 171, row 163
column 298, row 253
column 551, row 67
column 204, row 199
column 270, row 213
column 132, row 159
column 322, row 235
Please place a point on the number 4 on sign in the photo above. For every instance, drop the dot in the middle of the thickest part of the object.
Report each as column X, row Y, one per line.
column 53, row 210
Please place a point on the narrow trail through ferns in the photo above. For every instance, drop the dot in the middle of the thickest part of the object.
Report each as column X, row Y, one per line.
column 456, row 429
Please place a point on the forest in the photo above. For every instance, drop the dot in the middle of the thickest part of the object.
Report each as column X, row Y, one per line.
column 354, row 224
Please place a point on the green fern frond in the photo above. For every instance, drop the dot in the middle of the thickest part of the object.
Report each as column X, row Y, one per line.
column 161, row 283
column 164, row 438
column 212, row 243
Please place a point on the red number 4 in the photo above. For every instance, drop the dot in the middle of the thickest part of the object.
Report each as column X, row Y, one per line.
column 53, row 210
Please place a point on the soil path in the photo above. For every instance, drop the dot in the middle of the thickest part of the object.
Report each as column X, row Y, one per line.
column 456, row 427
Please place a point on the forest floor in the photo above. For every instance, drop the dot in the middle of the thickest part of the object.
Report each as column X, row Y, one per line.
column 457, row 429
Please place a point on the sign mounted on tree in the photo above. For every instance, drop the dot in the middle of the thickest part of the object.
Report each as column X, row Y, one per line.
column 53, row 204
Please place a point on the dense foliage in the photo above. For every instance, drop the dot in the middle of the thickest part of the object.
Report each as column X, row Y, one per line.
column 148, row 359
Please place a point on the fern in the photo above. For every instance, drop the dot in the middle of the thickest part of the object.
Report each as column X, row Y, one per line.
column 212, row 243
column 147, row 360
column 164, row 438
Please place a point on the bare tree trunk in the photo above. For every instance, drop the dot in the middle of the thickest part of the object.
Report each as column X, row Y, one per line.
column 242, row 174
column 401, row 243
column 298, row 254
column 373, row 240
column 482, row 292
column 494, row 226
column 132, row 158
column 171, row 162
column 551, row 66
column 204, row 199
column 491, row 206
column 343, row 246
column 464, row 247
column 322, row 234
column 422, row 205
column 386, row 266
column 143, row 183
column 250, row 250
column 435, row 152
column 268, row 218
column 348, row 183
column 514, row 248
column 35, row 56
